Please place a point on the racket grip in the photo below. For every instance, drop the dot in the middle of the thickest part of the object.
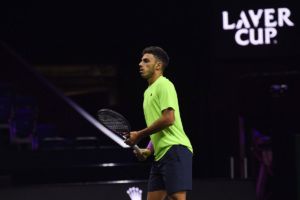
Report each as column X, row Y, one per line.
column 135, row 147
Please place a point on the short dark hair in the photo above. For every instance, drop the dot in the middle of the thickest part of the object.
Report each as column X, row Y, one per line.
column 159, row 53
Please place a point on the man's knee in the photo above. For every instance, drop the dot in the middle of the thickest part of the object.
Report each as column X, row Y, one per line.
column 177, row 196
column 157, row 195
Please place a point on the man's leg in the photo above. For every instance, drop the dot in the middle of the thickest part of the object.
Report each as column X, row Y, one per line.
column 157, row 195
column 178, row 172
column 178, row 196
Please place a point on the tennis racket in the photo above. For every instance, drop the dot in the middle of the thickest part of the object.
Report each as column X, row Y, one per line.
column 116, row 123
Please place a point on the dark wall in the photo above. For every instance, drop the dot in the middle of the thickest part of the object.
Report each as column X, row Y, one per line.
column 211, row 72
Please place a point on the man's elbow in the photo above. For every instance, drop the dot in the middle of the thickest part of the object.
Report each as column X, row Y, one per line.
column 169, row 117
column 170, row 121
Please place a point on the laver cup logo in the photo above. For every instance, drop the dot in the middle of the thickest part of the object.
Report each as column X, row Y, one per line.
column 257, row 27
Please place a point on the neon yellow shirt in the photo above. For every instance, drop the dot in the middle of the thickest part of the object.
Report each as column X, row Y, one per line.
column 159, row 96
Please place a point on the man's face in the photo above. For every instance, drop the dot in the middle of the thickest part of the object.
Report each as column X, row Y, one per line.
column 147, row 65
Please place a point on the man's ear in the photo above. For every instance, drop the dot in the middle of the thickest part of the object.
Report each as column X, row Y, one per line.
column 158, row 66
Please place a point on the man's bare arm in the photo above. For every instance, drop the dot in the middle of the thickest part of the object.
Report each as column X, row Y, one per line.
column 167, row 119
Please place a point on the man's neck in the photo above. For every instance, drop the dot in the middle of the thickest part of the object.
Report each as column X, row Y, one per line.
column 154, row 78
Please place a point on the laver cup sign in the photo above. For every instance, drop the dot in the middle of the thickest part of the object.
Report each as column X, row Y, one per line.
column 257, row 27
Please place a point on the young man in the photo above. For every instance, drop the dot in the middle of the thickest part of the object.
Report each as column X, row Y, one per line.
column 171, row 172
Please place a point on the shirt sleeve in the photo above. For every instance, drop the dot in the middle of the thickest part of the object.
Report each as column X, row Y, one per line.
column 167, row 96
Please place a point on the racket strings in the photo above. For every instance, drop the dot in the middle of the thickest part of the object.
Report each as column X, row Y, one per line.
column 114, row 123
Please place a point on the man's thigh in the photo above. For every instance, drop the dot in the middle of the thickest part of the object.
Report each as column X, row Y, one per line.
column 178, row 170
column 162, row 194
column 157, row 195
column 177, row 196
column 173, row 172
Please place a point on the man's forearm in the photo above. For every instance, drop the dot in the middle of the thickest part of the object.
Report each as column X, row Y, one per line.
column 157, row 126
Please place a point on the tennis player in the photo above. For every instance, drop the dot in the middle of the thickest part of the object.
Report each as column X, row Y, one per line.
column 171, row 171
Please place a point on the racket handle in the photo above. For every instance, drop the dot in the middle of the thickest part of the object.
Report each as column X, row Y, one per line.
column 135, row 147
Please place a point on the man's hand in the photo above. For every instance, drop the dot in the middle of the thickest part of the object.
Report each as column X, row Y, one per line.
column 143, row 154
column 132, row 138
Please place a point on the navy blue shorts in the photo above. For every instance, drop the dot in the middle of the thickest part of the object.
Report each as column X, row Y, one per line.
column 173, row 172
